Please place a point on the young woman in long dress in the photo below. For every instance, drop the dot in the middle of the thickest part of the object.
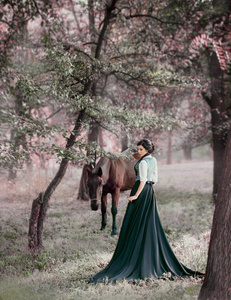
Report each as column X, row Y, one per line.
column 143, row 250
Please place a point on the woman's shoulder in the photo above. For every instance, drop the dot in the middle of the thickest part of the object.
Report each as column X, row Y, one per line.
column 150, row 160
column 150, row 157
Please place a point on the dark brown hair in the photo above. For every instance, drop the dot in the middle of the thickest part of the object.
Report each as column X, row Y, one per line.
column 148, row 145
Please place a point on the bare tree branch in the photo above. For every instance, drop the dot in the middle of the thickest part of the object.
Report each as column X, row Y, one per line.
column 152, row 17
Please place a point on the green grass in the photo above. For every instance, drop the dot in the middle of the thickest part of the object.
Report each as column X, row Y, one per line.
column 75, row 248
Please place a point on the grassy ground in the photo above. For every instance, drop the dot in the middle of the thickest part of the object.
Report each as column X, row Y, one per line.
column 75, row 248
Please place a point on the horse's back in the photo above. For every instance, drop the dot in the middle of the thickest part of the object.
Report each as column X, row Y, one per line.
column 122, row 173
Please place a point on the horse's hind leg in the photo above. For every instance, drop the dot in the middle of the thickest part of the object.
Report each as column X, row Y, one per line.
column 115, row 199
column 104, row 211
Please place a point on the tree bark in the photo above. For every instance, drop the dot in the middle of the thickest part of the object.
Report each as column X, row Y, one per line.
column 218, row 108
column 33, row 223
column 15, row 135
column 217, row 282
column 100, row 136
column 82, row 193
column 93, row 135
column 124, row 142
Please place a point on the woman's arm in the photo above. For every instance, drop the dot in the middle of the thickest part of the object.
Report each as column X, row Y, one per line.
column 155, row 173
column 140, row 188
column 143, row 171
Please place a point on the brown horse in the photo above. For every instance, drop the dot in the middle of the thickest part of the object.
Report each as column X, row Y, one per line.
column 109, row 176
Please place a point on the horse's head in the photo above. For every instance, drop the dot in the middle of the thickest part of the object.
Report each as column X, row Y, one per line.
column 95, row 187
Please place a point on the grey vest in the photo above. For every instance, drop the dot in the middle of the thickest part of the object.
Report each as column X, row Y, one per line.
column 152, row 164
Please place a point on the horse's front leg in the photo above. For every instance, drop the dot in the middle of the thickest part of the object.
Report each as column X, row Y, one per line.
column 104, row 211
column 115, row 199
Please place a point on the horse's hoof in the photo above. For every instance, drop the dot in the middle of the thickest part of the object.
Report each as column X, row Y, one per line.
column 113, row 233
column 103, row 227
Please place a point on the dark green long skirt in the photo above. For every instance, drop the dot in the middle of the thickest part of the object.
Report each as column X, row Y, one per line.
column 143, row 250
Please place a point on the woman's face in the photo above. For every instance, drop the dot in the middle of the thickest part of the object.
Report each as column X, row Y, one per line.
column 141, row 151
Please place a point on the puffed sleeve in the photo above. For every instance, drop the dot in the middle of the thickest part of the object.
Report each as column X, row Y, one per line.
column 143, row 170
column 155, row 173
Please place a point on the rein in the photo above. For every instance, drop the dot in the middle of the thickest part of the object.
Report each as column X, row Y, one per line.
column 95, row 199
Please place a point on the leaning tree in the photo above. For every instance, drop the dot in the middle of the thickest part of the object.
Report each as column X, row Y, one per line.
column 81, row 95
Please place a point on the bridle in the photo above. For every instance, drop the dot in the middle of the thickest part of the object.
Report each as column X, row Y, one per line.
column 94, row 199
column 101, row 191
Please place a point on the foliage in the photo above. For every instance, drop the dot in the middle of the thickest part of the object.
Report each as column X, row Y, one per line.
column 14, row 18
column 145, row 52
column 62, row 83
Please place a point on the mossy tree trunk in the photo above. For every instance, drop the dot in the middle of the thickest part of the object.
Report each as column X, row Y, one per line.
column 217, row 283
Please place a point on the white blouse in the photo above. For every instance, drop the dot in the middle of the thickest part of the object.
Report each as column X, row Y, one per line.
column 143, row 171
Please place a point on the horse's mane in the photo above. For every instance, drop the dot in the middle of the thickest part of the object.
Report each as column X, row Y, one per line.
column 129, row 150
column 98, row 165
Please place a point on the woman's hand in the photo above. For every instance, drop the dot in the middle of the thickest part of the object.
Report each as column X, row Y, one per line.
column 139, row 190
column 130, row 199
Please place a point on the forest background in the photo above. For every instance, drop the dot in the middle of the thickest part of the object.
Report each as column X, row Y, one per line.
column 82, row 78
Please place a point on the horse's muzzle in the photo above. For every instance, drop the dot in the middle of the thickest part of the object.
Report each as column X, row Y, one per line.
column 94, row 204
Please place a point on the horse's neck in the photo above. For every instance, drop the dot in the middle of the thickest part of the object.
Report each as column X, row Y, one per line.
column 104, row 164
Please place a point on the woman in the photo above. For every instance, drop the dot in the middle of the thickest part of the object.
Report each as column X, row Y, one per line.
column 143, row 250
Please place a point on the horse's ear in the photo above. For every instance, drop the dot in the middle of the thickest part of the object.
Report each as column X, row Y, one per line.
column 89, row 171
column 100, row 172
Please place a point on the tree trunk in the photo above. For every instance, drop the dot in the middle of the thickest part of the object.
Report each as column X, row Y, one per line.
column 93, row 135
column 219, row 143
column 217, row 283
column 33, row 223
column 124, row 142
column 15, row 135
column 92, row 29
column 218, row 108
column 187, row 150
column 218, row 99
column 82, row 193
column 36, row 233
column 169, row 151
column 100, row 137
column 12, row 175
